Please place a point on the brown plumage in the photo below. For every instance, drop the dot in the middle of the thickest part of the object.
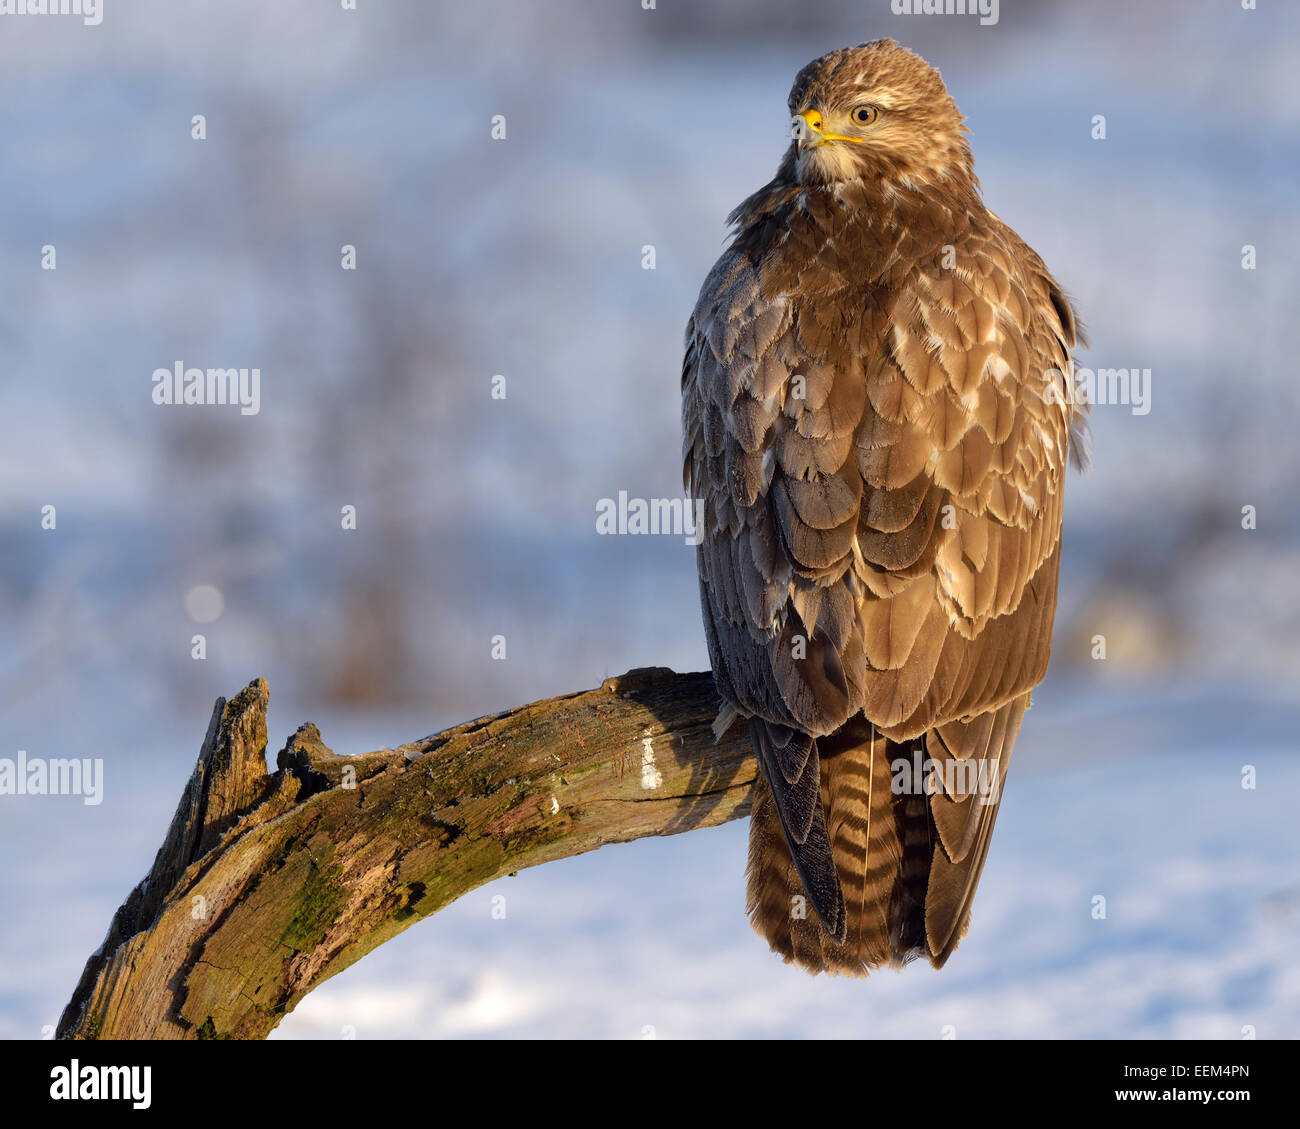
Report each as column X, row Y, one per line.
column 876, row 415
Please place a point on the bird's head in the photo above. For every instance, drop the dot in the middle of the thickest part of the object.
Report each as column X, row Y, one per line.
column 876, row 112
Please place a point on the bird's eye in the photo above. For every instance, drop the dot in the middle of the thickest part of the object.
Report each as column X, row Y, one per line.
column 865, row 115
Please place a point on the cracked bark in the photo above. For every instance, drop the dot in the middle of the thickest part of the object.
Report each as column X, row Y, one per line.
column 268, row 884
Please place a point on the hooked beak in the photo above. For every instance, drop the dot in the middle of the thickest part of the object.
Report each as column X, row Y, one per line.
column 811, row 132
column 807, row 128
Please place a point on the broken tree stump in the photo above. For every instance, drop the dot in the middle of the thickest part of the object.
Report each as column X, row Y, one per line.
column 268, row 884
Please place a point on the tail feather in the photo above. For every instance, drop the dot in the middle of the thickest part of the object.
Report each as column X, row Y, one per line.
column 866, row 847
column 955, row 874
column 917, row 837
column 907, row 864
column 800, row 816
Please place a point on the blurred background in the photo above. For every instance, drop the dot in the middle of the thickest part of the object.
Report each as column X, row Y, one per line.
column 523, row 258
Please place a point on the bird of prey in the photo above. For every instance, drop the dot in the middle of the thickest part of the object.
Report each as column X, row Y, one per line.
column 877, row 414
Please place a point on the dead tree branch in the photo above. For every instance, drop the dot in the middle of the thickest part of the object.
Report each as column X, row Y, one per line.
column 269, row 883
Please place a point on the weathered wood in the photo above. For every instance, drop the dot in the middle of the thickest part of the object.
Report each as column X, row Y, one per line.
column 269, row 883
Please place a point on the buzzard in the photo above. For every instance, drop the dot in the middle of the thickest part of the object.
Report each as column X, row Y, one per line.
column 877, row 414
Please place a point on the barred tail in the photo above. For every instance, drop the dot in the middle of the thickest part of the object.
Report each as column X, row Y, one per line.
column 908, row 863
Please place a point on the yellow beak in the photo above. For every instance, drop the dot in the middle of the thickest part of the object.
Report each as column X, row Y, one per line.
column 811, row 132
